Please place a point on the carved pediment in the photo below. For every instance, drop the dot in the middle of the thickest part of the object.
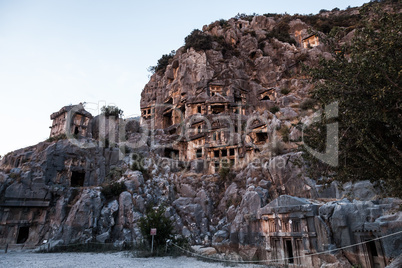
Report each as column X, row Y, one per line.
column 218, row 98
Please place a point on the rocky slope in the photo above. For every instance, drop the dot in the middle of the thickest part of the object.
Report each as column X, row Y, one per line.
column 225, row 212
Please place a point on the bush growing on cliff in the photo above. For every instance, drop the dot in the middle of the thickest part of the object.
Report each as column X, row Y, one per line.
column 57, row 138
column 198, row 40
column 307, row 104
column 244, row 16
column 111, row 110
column 113, row 189
column 139, row 164
column 274, row 109
column 285, row 91
column 281, row 32
column 163, row 62
column 223, row 23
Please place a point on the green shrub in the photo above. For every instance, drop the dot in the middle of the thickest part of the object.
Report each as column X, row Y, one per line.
column 198, row 40
column 223, row 23
column 244, row 16
column 252, row 33
column 301, row 57
column 111, row 110
column 155, row 218
column 113, row 189
column 274, row 109
column 285, row 91
column 270, row 15
column 114, row 174
column 138, row 165
column 307, row 104
column 163, row 62
column 224, row 172
column 325, row 24
column 57, row 138
column 276, row 147
column 284, row 131
column 281, row 32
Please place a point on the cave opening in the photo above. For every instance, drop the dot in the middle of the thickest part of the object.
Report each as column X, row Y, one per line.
column 167, row 119
column 77, row 179
column 23, row 234
column 262, row 136
column 171, row 153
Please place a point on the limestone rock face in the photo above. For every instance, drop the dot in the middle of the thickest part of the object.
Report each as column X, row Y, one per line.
column 264, row 206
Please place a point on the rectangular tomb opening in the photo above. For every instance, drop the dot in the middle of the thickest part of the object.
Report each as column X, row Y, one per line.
column 23, row 234
column 77, row 179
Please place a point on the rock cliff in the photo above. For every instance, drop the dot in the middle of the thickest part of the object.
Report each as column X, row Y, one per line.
column 242, row 100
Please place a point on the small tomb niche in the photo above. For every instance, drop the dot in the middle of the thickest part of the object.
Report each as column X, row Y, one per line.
column 198, row 153
column 217, row 109
column 231, row 151
column 23, row 234
column 224, row 153
column 265, row 97
column 167, row 119
column 183, row 111
column 77, row 179
column 262, row 136
column 76, row 130
column 173, row 131
column 171, row 153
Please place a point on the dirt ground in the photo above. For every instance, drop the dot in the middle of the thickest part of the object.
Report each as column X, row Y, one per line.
column 100, row 260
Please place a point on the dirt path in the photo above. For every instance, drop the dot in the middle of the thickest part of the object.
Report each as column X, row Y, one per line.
column 99, row 260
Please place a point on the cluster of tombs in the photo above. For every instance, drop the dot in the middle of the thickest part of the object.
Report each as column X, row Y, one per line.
column 215, row 129
column 26, row 204
column 296, row 235
column 293, row 231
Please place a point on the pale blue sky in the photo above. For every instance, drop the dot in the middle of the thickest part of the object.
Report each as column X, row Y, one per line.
column 58, row 52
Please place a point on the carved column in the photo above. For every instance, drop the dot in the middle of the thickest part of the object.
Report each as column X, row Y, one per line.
column 306, row 238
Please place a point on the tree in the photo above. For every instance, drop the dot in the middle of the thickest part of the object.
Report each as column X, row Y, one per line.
column 111, row 111
column 163, row 62
column 198, row 40
column 155, row 218
column 365, row 79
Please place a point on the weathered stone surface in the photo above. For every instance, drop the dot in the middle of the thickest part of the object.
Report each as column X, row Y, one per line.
column 186, row 190
column 362, row 190
column 208, row 251
column 397, row 262
column 235, row 213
